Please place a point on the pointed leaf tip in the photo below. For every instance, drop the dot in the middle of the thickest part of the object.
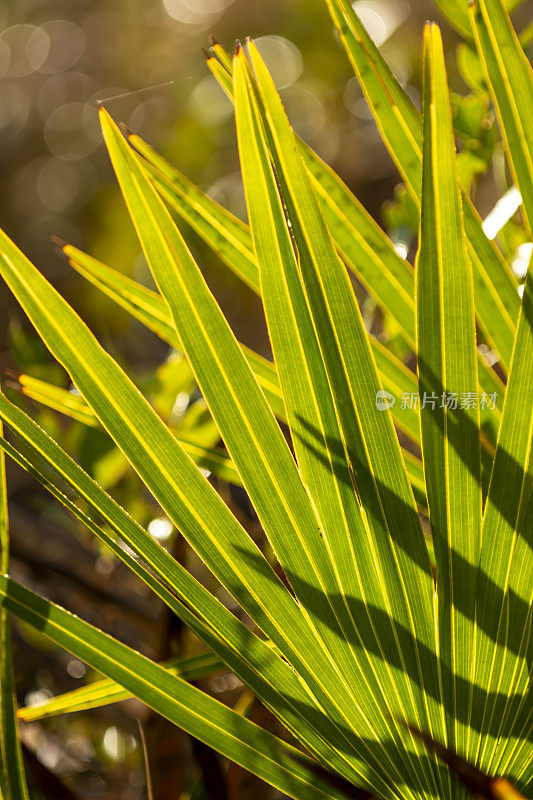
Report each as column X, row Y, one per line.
column 125, row 130
column 11, row 373
column 103, row 113
column 58, row 241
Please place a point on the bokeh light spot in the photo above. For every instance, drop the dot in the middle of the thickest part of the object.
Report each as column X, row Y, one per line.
column 283, row 59
column 14, row 107
column 521, row 261
column 381, row 17
column 305, row 109
column 58, row 183
column 195, row 12
column 63, row 88
column 72, row 131
column 210, row 102
column 38, row 48
column 67, row 43
column 76, row 668
column 160, row 528
column 17, row 39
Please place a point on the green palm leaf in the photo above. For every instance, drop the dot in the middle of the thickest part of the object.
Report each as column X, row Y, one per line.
column 510, row 78
column 13, row 784
column 365, row 249
column 200, row 715
column 389, row 646
column 146, row 441
column 496, row 297
column 505, row 581
column 456, row 11
column 214, row 460
column 150, row 309
column 319, row 370
column 215, row 533
column 229, row 236
column 246, row 423
column 447, row 369
column 252, row 659
column 105, row 691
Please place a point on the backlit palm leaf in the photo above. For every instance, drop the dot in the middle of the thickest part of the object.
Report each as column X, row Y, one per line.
column 400, row 125
column 369, row 640
column 359, row 240
column 447, row 370
column 12, row 776
column 510, row 77
column 194, row 711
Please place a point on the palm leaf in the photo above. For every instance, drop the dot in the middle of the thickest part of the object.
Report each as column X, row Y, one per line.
column 382, row 490
column 229, row 236
column 148, row 307
column 510, row 78
column 447, row 369
column 200, row 715
column 150, row 447
column 456, row 12
column 54, row 397
column 13, row 784
column 504, row 647
column 243, row 417
column 369, row 640
column 496, row 296
column 252, row 659
column 214, row 460
column 369, row 253
column 105, row 691
column 151, row 310
column 477, row 782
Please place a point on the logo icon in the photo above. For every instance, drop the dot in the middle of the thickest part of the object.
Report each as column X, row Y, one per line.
column 384, row 400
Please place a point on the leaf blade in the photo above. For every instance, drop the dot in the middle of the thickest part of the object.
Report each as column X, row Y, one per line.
column 366, row 432
column 214, row 460
column 106, row 691
column 13, row 783
column 214, row 533
column 369, row 253
column 504, row 601
column 252, row 659
column 250, row 432
column 497, row 300
column 447, row 367
column 150, row 309
column 510, row 78
column 192, row 710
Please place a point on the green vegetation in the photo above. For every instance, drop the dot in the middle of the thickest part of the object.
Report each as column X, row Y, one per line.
column 393, row 593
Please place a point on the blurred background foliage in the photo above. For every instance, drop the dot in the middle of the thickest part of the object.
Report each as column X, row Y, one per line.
column 143, row 59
